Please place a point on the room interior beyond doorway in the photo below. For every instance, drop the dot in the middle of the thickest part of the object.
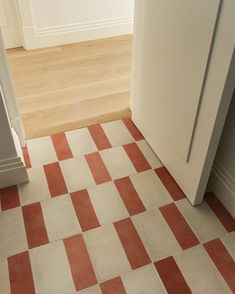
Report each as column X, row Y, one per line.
column 72, row 86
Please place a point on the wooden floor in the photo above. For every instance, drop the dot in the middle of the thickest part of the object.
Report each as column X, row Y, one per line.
column 72, row 86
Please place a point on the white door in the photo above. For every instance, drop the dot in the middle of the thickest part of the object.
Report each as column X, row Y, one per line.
column 9, row 24
column 182, row 83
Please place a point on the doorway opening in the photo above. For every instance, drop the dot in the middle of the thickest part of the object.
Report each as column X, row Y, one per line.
column 72, row 84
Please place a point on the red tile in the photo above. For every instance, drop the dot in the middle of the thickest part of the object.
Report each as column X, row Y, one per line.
column 129, row 196
column 55, row 179
column 222, row 260
column 171, row 276
column 84, row 210
column 98, row 168
column 136, row 134
column 20, row 274
column 61, row 146
column 34, row 225
column 137, row 158
column 114, row 286
column 82, row 271
column 170, row 184
column 132, row 244
column 9, row 197
column 221, row 212
column 99, row 137
column 180, row 228
column 26, row 157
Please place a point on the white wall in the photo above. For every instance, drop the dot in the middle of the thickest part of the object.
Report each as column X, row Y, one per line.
column 58, row 22
column 222, row 181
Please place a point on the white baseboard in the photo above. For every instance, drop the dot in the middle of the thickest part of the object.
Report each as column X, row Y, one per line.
column 222, row 183
column 52, row 36
column 12, row 170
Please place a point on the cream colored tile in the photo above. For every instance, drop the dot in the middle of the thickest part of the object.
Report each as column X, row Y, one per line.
column 117, row 162
column 76, row 173
column 107, row 203
column 12, row 233
column 51, row 270
column 81, row 142
column 150, row 189
column 37, row 188
column 4, row 277
column 91, row 290
column 149, row 154
column 60, row 218
column 156, row 235
column 41, row 151
column 106, row 252
column 117, row 133
column 200, row 272
column 229, row 243
column 202, row 220
column 144, row 280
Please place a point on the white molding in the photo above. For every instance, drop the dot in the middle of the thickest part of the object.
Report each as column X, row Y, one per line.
column 222, row 183
column 12, row 172
column 57, row 35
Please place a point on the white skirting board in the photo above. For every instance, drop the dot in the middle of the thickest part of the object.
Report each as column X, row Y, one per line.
column 12, row 170
column 223, row 186
column 34, row 38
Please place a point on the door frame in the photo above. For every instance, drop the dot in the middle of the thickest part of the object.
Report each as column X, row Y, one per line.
column 9, row 94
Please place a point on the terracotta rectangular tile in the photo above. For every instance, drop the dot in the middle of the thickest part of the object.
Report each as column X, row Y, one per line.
column 171, row 276
column 220, row 211
column 136, row 134
column 99, row 137
column 20, row 274
column 61, row 146
column 26, row 157
column 34, row 225
column 9, row 198
column 129, row 196
column 84, row 210
column 170, row 184
column 98, row 168
column 114, row 286
column 82, row 271
column 180, row 228
column 136, row 156
column 132, row 244
column 55, row 179
column 223, row 261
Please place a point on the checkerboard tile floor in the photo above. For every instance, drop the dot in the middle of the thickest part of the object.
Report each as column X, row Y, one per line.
column 102, row 215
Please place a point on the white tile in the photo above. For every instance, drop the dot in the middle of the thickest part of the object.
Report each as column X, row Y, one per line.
column 144, row 280
column 41, row 151
column 76, row 173
column 4, row 277
column 37, row 188
column 107, row 203
column 60, row 218
column 117, row 133
column 150, row 189
column 156, row 235
column 117, row 162
column 81, row 142
column 149, row 154
column 199, row 272
column 51, row 270
column 202, row 220
column 229, row 243
column 12, row 233
column 91, row 290
column 106, row 252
